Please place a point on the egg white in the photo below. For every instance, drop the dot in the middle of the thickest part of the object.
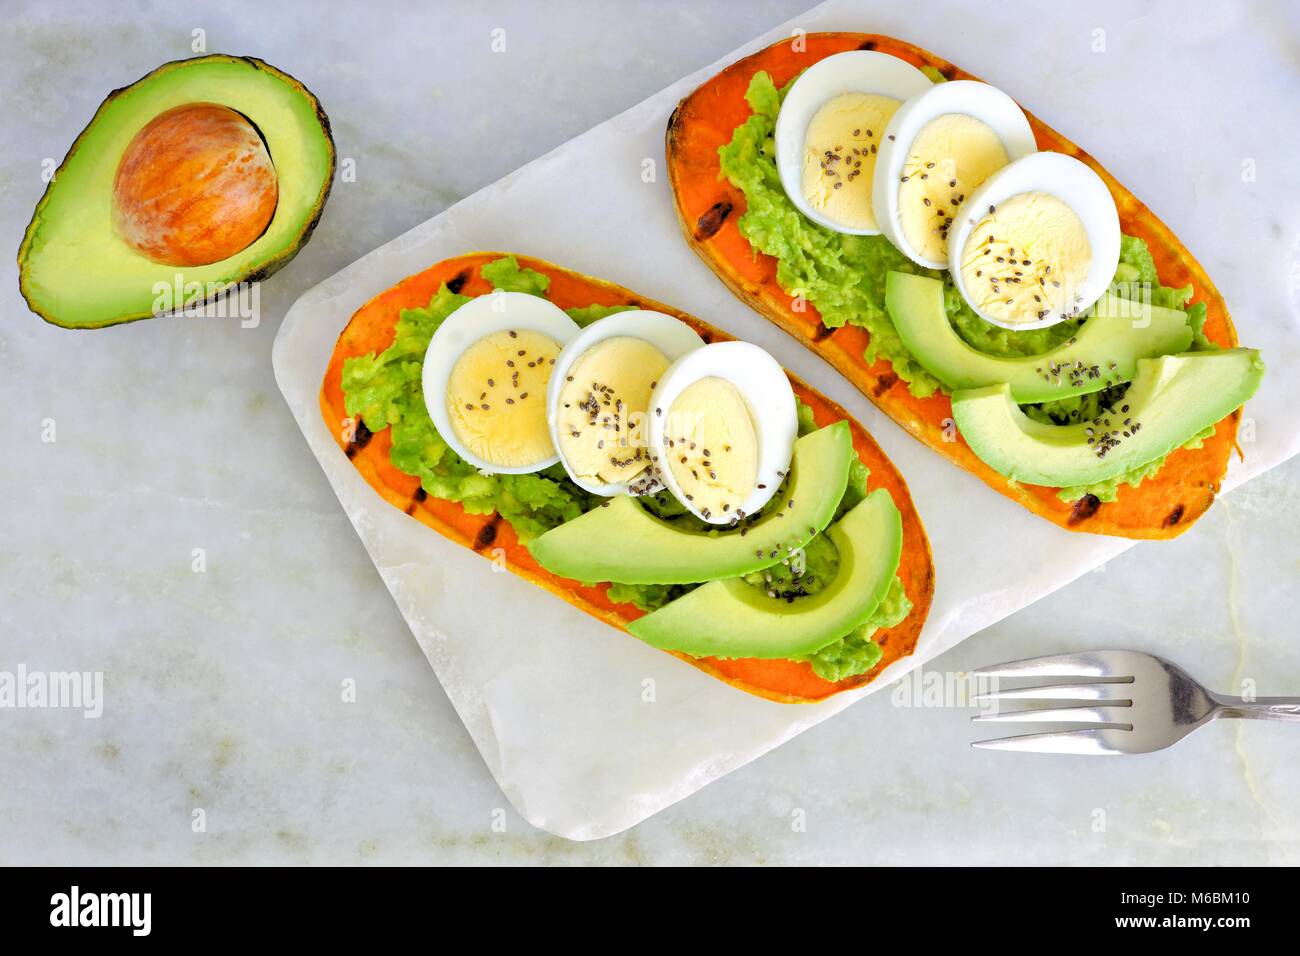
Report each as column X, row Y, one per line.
column 670, row 336
column 855, row 71
column 763, row 384
column 477, row 319
column 979, row 100
column 1073, row 183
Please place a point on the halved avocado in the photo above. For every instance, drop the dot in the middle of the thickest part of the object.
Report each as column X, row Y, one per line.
column 1172, row 399
column 1105, row 351
column 77, row 271
column 732, row 619
column 623, row 542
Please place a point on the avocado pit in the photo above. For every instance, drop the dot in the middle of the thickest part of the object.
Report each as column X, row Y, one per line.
column 195, row 185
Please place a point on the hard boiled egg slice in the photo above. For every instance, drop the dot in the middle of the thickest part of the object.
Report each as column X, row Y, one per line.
column 722, row 429
column 829, row 132
column 598, row 401
column 1037, row 243
column 939, row 148
column 485, row 378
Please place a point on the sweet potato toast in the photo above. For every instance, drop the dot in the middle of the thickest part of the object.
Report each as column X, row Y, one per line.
column 708, row 208
column 371, row 329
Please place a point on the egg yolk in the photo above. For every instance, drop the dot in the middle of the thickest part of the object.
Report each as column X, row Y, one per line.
column 601, row 417
column 1026, row 259
column 950, row 157
column 840, row 156
column 496, row 397
column 712, row 448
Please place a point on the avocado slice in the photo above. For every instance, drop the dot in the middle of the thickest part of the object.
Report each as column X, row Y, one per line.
column 732, row 619
column 1172, row 399
column 1116, row 334
column 77, row 271
column 623, row 542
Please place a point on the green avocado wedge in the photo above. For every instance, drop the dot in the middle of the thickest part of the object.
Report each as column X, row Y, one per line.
column 1118, row 332
column 75, row 270
column 623, row 542
column 732, row 619
column 1173, row 398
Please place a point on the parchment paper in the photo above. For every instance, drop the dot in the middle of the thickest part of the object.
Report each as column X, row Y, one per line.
column 588, row 731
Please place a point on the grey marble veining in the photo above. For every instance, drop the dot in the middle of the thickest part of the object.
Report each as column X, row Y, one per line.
column 223, row 687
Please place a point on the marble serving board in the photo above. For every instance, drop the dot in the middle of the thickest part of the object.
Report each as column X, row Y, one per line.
column 555, row 701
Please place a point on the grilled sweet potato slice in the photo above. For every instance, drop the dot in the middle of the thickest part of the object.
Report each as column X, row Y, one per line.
column 708, row 206
column 372, row 328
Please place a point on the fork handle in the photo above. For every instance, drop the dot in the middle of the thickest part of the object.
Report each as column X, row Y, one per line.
column 1261, row 708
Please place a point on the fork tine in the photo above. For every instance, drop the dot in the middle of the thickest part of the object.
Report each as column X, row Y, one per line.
column 1053, row 665
column 1105, row 692
column 1054, row 715
column 1091, row 742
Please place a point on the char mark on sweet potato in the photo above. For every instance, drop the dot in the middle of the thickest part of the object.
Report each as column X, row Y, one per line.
column 708, row 224
column 867, row 45
column 487, row 534
column 457, row 282
column 674, row 120
column 822, row 333
column 1084, row 509
column 884, row 384
column 1173, row 517
column 360, row 438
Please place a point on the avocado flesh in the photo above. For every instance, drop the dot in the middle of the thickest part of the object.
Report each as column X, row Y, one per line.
column 1172, row 399
column 733, row 619
column 75, row 271
column 1117, row 333
column 624, row 543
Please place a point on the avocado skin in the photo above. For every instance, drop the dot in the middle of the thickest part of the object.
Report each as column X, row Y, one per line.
column 266, row 270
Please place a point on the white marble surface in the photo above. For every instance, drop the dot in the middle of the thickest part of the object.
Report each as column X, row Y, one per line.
column 223, row 688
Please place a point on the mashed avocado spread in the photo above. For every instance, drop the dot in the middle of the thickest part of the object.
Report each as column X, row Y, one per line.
column 844, row 277
column 384, row 391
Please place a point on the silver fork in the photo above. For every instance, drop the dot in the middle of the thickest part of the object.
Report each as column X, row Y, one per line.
column 1135, row 702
